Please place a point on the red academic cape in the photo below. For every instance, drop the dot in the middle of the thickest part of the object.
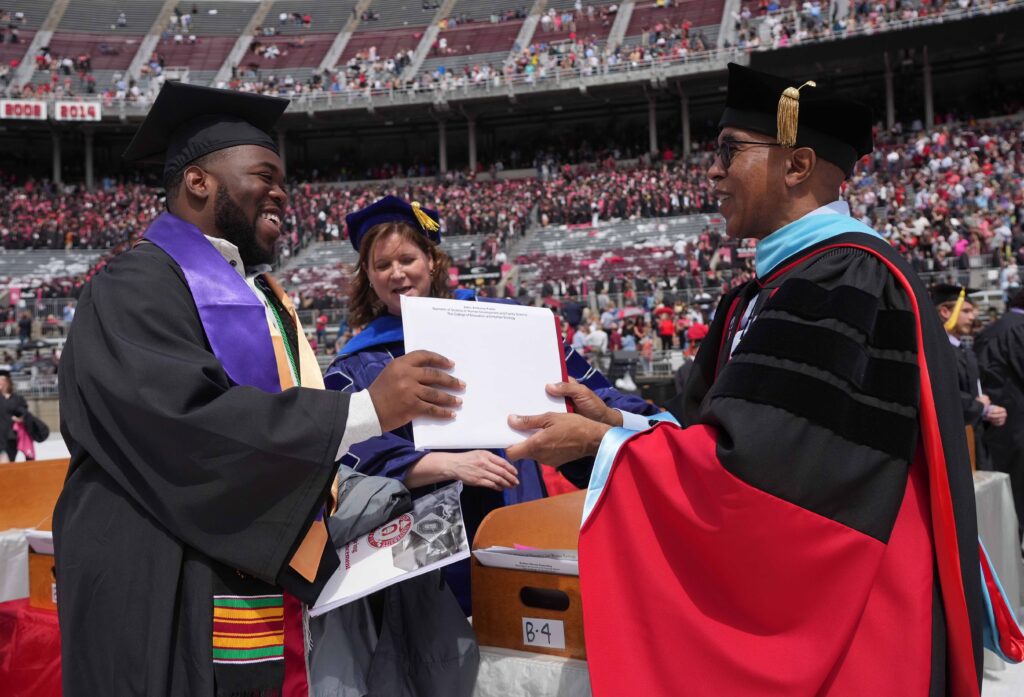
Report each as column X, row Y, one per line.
column 812, row 530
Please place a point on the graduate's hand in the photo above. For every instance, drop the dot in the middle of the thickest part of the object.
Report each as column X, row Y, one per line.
column 586, row 402
column 561, row 438
column 407, row 388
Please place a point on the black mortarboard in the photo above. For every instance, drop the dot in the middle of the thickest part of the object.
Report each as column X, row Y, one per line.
column 188, row 121
column 838, row 129
column 943, row 293
column 5, row 373
column 391, row 209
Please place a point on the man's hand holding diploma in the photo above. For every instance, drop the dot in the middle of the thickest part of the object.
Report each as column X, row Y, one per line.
column 562, row 438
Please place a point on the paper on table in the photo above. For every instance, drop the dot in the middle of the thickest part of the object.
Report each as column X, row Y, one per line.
column 504, row 353
column 548, row 561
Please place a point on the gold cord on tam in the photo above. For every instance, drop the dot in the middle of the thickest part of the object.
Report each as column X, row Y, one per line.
column 425, row 221
column 950, row 324
column 788, row 114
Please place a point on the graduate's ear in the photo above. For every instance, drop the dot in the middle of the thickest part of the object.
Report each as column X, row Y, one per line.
column 801, row 164
column 198, row 182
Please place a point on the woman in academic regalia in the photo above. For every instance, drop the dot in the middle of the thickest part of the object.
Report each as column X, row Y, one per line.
column 399, row 255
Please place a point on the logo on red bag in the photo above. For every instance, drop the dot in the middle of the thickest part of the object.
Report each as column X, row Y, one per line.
column 392, row 533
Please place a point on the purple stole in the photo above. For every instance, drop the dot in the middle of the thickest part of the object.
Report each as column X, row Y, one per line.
column 233, row 317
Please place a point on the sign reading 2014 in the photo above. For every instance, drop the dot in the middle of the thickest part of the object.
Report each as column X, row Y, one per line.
column 77, row 111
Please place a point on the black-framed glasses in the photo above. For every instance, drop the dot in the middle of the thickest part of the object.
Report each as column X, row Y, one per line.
column 728, row 146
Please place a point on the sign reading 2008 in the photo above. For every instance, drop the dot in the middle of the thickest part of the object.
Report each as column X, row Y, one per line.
column 23, row 109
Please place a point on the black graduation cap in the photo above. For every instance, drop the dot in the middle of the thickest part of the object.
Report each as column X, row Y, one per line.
column 189, row 121
column 798, row 115
column 5, row 373
column 391, row 209
column 943, row 293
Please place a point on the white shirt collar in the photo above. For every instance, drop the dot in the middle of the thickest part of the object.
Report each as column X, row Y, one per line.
column 230, row 252
column 953, row 340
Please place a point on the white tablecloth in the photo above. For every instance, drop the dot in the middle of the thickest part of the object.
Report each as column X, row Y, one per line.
column 13, row 565
column 997, row 527
column 507, row 673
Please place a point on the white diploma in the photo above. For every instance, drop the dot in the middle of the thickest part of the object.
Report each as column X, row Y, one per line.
column 504, row 353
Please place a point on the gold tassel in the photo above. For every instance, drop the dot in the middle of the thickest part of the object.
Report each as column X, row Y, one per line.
column 426, row 222
column 950, row 324
column 788, row 114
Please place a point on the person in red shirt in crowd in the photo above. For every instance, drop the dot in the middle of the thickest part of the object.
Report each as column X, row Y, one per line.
column 666, row 329
column 695, row 334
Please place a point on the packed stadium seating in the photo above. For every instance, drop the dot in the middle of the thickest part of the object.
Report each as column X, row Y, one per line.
column 475, row 45
column 633, row 247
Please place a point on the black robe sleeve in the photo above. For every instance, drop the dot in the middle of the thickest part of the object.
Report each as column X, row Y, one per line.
column 968, row 376
column 233, row 472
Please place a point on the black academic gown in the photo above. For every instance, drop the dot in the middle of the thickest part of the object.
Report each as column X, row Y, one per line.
column 176, row 475
column 1000, row 351
column 969, row 378
column 12, row 406
column 821, row 406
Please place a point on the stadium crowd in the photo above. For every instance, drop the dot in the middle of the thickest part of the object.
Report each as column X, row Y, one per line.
column 772, row 24
column 765, row 24
column 943, row 197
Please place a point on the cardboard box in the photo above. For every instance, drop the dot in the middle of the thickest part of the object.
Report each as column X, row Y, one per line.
column 28, row 492
column 42, row 578
column 526, row 610
column 42, row 583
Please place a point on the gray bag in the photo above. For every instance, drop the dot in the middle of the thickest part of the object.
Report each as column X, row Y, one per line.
column 423, row 646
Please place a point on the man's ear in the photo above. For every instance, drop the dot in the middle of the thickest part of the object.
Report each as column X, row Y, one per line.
column 802, row 162
column 198, row 182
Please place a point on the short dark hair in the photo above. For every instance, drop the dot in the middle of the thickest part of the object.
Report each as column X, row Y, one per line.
column 174, row 180
column 1017, row 299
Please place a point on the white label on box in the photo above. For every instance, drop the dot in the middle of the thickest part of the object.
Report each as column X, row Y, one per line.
column 543, row 633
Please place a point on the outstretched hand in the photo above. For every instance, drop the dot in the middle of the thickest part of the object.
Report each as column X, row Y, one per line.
column 408, row 388
column 561, row 438
column 586, row 402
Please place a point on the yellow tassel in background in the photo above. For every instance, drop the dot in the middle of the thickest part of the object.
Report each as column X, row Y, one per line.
column 426, row 222
column 788, row 114
column 951, row 322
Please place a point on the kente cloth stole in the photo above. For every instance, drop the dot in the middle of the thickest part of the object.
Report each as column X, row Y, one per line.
column 257, row 629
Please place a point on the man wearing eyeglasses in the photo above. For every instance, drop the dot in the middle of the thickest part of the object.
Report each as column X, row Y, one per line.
column 810, row 529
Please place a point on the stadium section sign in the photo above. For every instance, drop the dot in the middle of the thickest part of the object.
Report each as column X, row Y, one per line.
column 463, row 274
column 77, row 111
column 23, row 109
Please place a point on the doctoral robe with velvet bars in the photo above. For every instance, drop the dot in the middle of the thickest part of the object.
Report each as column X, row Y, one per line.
column 811, row 531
